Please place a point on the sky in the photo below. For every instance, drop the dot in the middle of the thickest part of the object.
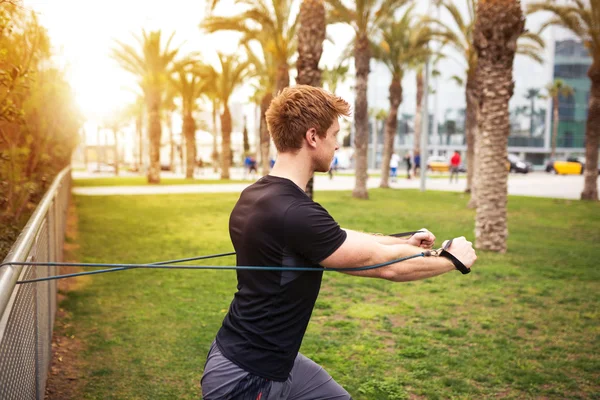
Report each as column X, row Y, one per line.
column 84, row 31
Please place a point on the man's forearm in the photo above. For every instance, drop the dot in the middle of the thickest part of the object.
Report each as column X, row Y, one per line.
column 417, row 268
column 381, row 239
column 363, row 250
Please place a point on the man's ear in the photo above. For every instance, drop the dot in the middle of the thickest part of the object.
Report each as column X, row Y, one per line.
column 311, row 137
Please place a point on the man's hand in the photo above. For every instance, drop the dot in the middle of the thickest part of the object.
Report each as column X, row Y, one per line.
column 423, row 239
column 463, row 250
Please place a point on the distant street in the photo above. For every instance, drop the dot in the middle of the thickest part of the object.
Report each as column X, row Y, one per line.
column 538, row 184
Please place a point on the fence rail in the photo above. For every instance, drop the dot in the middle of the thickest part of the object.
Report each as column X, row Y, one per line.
column 27, row 311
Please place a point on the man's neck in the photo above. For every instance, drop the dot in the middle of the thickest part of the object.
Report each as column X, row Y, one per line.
column 295, row 167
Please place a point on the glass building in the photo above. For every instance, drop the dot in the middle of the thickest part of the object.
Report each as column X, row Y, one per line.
column 530, row 109
column 571, row 64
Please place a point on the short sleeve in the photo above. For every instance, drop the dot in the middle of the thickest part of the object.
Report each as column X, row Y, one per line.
column 311, row 232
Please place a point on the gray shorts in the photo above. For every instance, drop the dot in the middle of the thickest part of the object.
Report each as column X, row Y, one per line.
column 222, row 380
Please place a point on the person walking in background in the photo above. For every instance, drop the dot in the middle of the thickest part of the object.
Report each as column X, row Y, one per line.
column 454, row 164
column 247, row 162
column 333, row 167
column 417, row 162
column 407, row 159
column 394, row 161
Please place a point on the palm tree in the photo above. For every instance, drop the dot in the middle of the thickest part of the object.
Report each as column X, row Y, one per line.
column 190, row 83
column 136, row 110
column 404, row 43
column 418, row 113
column 532, row 94
column 115, row 122
column 245, row 137
column 233, row 72
column 265, row 71
column 151, row 63
column 364, row 16
column 583, row 19
column 311, row 35
column 498, row 25
column 271, row 28
column 335, row 75
column 169, row 107
column 556, row 90
column 461, row 39
column 269, row 25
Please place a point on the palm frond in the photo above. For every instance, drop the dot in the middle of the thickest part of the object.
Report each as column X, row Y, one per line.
column 218, row 23
column 459, row 81
column 337, row 12
column 534, row 37
column 567, row 19
column 531, row 53
column 386, row 10
column 456, row 15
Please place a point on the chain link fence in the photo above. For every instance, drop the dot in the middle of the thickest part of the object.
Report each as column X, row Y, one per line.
column 27, row 311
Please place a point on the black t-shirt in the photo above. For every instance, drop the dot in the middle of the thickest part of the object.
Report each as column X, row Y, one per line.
column 275, row 223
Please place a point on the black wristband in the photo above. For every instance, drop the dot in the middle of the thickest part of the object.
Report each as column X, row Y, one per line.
column 457, row 264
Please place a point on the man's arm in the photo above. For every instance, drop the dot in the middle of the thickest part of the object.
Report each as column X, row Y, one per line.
column 379, row 238
column 423, row 238
column 362, row 250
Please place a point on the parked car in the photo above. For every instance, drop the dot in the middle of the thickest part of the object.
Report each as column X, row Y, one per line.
column 438, row 164
column 518, row 165
column 570, row 166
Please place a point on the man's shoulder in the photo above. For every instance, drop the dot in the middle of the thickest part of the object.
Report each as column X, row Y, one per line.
column 273, row 195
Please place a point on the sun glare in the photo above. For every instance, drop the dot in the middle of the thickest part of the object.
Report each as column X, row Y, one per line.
column 83, row 34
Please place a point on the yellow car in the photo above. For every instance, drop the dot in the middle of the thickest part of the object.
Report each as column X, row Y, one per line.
column 572, row 166
column 438, row 164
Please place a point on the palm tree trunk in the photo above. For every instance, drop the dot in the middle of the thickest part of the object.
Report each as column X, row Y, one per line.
column 556, row 118
column 311, row 35
column 116, row 136
column 391, row 126
column 215, row 152
column 283, row 76
column 171, row 142
column 361, row 119
column 226, row 144
column 189, row 130
column 140, row 134
column 418, row 113
column 498, row 25
column 592, row 135
column 265, row 139
column 471, row 133
column 154, row 129
column 532, row 116
column 245, row 138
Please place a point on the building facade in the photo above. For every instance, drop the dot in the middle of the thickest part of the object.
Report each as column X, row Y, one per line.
column 530, row 111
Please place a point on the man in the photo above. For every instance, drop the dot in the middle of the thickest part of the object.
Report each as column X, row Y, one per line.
column 417, row 162
column 274, row 223
column 407, row 159
column 454, row 165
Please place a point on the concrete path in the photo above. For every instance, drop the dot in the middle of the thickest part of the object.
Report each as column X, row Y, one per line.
column 536, row 184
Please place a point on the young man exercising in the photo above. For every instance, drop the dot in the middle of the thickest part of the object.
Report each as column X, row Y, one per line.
column 274, row 223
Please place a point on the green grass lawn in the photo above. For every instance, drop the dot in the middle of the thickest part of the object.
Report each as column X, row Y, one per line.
column 143, row 181
column 521, row 325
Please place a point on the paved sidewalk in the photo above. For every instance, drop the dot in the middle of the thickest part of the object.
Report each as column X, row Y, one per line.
column 533, row 184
